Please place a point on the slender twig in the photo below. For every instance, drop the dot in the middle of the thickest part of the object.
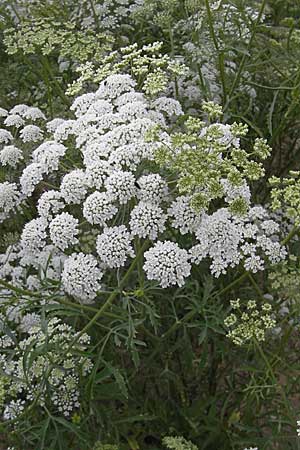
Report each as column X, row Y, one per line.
column 218, row 50
column 245, row 55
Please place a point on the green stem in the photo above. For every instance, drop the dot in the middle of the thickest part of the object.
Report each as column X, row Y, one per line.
column 272, row 88
column 203, row 86
column 245, row 56
column 279, row 385
column 256, row 287
column 110, row 299
column 19, row 291
column 141, row 275
column 291, row 234
column 219, row 52
column 192, row 313
column 237, row 281
column 86, row 308
column 96, row 18
column 52, row 78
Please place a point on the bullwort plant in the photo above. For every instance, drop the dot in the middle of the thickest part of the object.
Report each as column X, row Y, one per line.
column 149, row 217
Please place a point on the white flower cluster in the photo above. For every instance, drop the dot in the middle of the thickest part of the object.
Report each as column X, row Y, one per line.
column 112, row 13
column 81, row 277
column 64, row 230
column 25, row 382
column 152, row 188
column 114, row 246
column 10, row 198
column 5, row 136
column 50, row 203
column 234, row 192
column 13, row 409
column 119, row 194
column 31, row 133
column 10, row 156
column 30, row 177
column 98, row 208
column 74, row 186
column 33, row 236
column 120, row 186
column 16, row 152
column 147, row 220
column 183, row 216
column 48, row 155
column 227, row 240
column 167, row 263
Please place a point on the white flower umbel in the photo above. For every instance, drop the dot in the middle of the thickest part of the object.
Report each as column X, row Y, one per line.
column 167, row 105
column 27, row 383
column 10, row 198
column 95, row 152
column 48, row 155
column 34, row 235
column 82, row 103
column 66, row 399
column 30, row 321
column 31, row 133
column 100, row 108
column 33, row 113
column 13, row 409
column 5, row 136
column 64, row 130
column 10, row 156
column 64, row 230
column 14, row 120
column 115, row 85
column 114, row 246
column 52, row 125
column 49, row 204
column 183, row 216
column 81, row 277
column 227, row 240
column 97, row 172
column 131, row 155
column 219, row 235
column 129, row 97
column 273, row 249
column 3, row 112
column 19, row 109
column 98, row 208
column 31, row 177
column 127, row 134
column 147, row 220
column 152, row 188
column 74, row 186
column 134, row 110
column 121, row 186
column 167, row 263
column 233, row 192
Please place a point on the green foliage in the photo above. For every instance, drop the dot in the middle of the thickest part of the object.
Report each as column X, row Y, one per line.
column 100, row 446
column 178, row 443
